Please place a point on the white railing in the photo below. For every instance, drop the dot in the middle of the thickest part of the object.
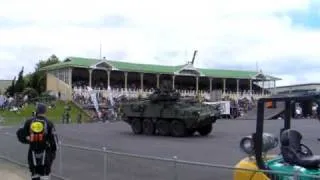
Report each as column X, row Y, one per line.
column 135, row 93
column 109, row 164
column 244, row 94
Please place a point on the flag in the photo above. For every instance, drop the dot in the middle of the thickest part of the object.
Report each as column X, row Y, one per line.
column 93, row 96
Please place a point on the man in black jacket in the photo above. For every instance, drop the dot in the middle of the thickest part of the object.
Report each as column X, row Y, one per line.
column 41, row 136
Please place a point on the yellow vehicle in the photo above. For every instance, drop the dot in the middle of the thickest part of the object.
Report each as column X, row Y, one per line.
column 294, row 158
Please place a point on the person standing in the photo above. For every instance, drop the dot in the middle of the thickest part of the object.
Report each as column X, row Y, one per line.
column 40, row 134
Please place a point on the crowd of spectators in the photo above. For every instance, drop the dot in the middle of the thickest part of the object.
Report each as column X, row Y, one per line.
column 82, row 95
column 12, row 103
column 109, row 99
column 240, row 106
column 19, row 101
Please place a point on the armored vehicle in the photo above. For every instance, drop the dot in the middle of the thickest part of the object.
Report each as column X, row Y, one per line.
column 166, row 113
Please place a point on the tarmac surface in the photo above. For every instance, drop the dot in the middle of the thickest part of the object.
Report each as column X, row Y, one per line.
column 12, row 172
column 221, row 147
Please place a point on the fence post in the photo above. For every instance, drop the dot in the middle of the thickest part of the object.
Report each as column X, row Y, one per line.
column 104, row 163
column 175, row 174
column 60, row 158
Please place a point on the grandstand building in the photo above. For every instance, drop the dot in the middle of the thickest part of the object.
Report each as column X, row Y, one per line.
column 102, row 73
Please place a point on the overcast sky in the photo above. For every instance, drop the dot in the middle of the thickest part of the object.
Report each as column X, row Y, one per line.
column 282, row 36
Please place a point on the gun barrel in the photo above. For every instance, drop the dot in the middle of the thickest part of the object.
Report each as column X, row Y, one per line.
column 194, row 56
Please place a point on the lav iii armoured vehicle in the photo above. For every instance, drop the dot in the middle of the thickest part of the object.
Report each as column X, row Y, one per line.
column 165, row 113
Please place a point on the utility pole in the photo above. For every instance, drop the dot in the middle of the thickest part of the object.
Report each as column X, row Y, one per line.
column 100, row 50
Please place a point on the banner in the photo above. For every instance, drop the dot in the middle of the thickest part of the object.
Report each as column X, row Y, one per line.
column 110, row 96
column 93, row 96
column 224, row 106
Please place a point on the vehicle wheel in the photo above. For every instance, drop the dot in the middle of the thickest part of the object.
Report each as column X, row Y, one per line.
column 191, row 132
column 205, row 130
column 136, row 126
column 178, row 129
column 163, row 128
column 148, row 127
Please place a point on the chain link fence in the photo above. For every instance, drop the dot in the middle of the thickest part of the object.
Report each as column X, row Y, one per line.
column 82, row 163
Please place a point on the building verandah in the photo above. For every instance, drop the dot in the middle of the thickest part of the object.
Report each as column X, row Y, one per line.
column 102, row 73
column 101, row 78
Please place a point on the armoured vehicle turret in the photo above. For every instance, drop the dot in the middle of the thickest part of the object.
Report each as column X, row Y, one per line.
column 166, row 113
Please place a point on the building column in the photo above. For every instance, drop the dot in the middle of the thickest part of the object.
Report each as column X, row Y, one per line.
column 126, row 81
column 56, row 72
column 238, row 87
column 173, row 78
column 90, row 77
column 224, row 86
column 64, row 76
column 274, row 87
column 70, row 77
column 210, row 84
column 197, row 84
column 141, row 81
column 250, row 86
column 262, row 87
column 158, row 80
column 64, row 80
column 109, row 74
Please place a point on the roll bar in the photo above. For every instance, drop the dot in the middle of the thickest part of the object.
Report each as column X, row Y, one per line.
column 288, row 99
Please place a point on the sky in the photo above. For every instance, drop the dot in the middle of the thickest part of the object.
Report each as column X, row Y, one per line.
column 280, row 37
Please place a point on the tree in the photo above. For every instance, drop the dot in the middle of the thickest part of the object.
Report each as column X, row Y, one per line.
column 53, row 59
column 27, row 78
column 38, row 79
column 11, row 89
column 20, row 84
column 35, row 80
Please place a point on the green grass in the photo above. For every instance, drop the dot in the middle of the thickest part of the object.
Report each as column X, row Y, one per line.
column 53, row 114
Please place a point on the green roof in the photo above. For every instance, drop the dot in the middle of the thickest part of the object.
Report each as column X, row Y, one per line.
column 79, row 62
column 228, row 73
column 146, row 68
column 73, row 62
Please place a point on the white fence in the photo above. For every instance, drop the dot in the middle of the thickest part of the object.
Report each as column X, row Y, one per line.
column 134, row 93
column 75, row 162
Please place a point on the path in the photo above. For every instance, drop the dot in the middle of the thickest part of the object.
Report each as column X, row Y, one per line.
column 12, row 172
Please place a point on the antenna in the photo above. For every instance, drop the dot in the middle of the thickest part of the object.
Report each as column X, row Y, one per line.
column 100, row 50
column 186, row 55
column 194, row 56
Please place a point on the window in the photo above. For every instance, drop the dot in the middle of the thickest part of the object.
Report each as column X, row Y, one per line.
column 189, row 72
column 103, row 65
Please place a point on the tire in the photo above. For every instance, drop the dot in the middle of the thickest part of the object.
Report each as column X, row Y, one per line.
column 178, row 129
column 205, row 130
column 163, row 128
column 136, row 126
column 191, row 132
column 148, row 127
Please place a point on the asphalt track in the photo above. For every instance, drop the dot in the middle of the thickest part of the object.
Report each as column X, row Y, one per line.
column 220, row 147
column 12, row 172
